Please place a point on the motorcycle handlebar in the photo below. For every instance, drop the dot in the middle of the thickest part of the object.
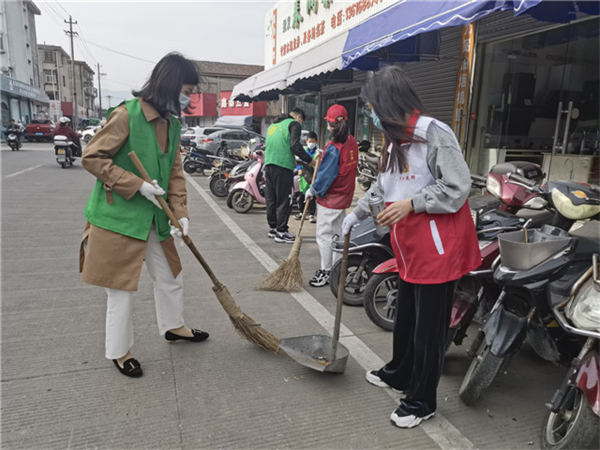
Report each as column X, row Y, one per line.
column 523, row 180
column 595, row 188
column 475, row 177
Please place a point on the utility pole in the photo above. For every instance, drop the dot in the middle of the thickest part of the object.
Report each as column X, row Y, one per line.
column 100, row 74
column 109, row 97
column 72, row 33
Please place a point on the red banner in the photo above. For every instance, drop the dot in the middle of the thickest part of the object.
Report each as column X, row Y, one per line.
column 230, row 107
column 202, row 105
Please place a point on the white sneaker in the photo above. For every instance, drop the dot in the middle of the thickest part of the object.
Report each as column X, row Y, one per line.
column 400, row 420
column 374, row 379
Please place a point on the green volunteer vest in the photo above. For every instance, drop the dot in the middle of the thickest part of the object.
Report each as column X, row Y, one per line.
column 277, row 145
column 134, row 217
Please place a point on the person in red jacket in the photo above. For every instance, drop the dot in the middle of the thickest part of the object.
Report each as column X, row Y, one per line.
column 63, row 129
column 425, row 182
column 333, row 188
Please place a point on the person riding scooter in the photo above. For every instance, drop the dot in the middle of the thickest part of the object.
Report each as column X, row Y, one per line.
column 63, row 129
column 15, row 128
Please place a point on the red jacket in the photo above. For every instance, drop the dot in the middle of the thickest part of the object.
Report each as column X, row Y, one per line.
column 65, row 130
column 340, row 193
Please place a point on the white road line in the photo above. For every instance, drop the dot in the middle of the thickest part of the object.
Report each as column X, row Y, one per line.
column 442, row 432
column 23, row 171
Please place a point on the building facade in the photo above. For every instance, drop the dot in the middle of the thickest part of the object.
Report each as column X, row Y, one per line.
column 21, row 98
column 85, row 91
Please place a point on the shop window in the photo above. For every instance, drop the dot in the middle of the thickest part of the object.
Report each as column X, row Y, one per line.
column 309, row 103
column 522, row 82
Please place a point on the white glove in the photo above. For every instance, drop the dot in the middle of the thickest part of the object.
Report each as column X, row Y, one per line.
column 350, row 221
column 310, row 193
column 185, row 225
column 151, row 191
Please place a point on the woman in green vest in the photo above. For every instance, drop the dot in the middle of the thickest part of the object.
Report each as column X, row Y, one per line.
column 125, row 222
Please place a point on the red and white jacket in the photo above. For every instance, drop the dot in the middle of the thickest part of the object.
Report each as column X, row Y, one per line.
column 437, row 242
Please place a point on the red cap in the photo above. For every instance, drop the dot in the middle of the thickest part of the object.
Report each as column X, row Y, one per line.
column 336, row 111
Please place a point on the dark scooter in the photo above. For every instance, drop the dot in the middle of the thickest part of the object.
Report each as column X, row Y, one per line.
column 530, row 261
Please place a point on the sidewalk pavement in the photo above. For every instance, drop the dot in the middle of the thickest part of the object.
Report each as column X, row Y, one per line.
column 58, row 391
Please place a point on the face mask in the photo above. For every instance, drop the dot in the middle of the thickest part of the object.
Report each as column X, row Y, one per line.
column 376, row 120
column 312, row 145
column 184, row 101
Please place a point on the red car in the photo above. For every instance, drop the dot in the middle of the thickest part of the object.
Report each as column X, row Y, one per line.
column 39, row 130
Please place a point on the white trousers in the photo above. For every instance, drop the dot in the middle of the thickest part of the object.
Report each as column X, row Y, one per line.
column 329, row 223
column 168, row 296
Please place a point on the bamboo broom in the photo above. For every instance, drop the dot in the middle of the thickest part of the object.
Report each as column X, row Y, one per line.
column 288, row 276
column 242, row 323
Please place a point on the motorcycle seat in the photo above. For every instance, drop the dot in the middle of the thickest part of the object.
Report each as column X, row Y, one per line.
column 588, row 240
column 538, row 217
column 201, row 152
column 525, row 169
column 371, row 158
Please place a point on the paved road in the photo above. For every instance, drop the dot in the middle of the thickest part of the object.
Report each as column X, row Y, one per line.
column 58, row 391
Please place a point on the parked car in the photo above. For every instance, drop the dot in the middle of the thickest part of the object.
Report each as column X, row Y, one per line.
column 232, row 139
column 196, row 134
column 88, row 132
column 39, row 129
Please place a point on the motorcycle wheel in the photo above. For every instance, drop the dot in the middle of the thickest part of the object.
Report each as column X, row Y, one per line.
column 189, row 167
column 353, row 295
column 218, row 185
column 380, row 297
column 481, row 373
column 574, row 427
column 241, row 201
column 364, row 182
column 64, row 165
column 87, row 138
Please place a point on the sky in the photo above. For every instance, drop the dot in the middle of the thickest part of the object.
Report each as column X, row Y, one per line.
column 223, row 30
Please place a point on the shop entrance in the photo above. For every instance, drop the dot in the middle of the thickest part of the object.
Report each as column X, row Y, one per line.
column 538, row 96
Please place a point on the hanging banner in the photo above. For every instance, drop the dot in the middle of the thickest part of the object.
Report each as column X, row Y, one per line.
column 463, row 83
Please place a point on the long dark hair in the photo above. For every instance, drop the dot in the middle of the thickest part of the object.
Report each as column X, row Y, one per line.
column 340, row 131
column 392, row 96
column 164, row 85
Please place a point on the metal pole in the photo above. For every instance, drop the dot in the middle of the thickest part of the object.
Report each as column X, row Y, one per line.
column 100, row 90
column 72, row 33
column 567, row 123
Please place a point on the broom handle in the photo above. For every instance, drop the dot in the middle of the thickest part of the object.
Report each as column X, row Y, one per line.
column 338, row 309
column 165, row 206
column 307, row 202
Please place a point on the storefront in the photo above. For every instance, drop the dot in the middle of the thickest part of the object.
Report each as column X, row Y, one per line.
column 536, row 97
column 21, row 102
column 202, row 110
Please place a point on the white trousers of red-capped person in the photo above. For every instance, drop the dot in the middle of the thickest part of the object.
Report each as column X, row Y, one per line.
column 329, row 224
column 168, row 296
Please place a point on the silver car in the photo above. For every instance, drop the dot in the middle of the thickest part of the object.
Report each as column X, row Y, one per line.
column 230, row 139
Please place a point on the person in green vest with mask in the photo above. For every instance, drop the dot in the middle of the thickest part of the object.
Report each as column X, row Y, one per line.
column 282, row 143
column 126, row 225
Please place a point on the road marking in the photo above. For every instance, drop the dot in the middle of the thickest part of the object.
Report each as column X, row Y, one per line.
column 23, row 171
column 442, row 432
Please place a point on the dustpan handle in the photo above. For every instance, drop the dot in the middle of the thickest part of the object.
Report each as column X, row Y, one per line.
column 165, row 206
column 341, row 287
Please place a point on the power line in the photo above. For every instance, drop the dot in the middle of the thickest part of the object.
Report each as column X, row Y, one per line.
column 120, row 53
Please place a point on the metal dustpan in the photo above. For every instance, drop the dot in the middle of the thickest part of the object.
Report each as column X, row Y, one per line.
column 318, row 351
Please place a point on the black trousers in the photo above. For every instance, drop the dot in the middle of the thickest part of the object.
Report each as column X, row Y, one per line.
column 420, row 330
column 279, row 195
column 312, row 207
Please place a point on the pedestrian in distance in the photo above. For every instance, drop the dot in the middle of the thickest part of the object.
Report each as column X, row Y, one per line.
column 305, row 178
column 126, row 224
column 282, row 143
column 425, row 182
column 333, row 188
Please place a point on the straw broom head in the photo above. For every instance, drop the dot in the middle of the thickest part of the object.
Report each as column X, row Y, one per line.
column 244, row 324
column 288, row 276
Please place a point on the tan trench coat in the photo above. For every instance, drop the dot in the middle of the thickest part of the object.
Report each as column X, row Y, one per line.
column 110, row 259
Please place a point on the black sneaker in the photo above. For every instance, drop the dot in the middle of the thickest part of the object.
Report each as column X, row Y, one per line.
column 320, row 279
column 286, row 237
column 272, row 233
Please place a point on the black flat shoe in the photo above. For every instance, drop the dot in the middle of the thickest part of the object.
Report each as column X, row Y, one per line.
column 199, row 336
column 131, row 368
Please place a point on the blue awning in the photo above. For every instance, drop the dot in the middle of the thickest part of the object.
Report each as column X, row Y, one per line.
column 409, row 18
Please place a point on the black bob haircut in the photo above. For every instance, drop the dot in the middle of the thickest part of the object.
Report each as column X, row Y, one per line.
column 300, row 112
column 164, row 85
column 312, row 135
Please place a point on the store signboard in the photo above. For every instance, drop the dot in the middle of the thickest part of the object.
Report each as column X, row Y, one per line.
column 463, row 83
column 231, row 107
column 293, row 27
column 55, row 109
column 20, row 89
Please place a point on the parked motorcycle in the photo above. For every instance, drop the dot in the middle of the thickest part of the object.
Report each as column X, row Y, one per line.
column 229, row 171
column 197, row 161
column 367, row 250
column 573, row 421
column 64, row 151
column 367, row 170
column 530, row 261
column 244, row 193
column 13, row 141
